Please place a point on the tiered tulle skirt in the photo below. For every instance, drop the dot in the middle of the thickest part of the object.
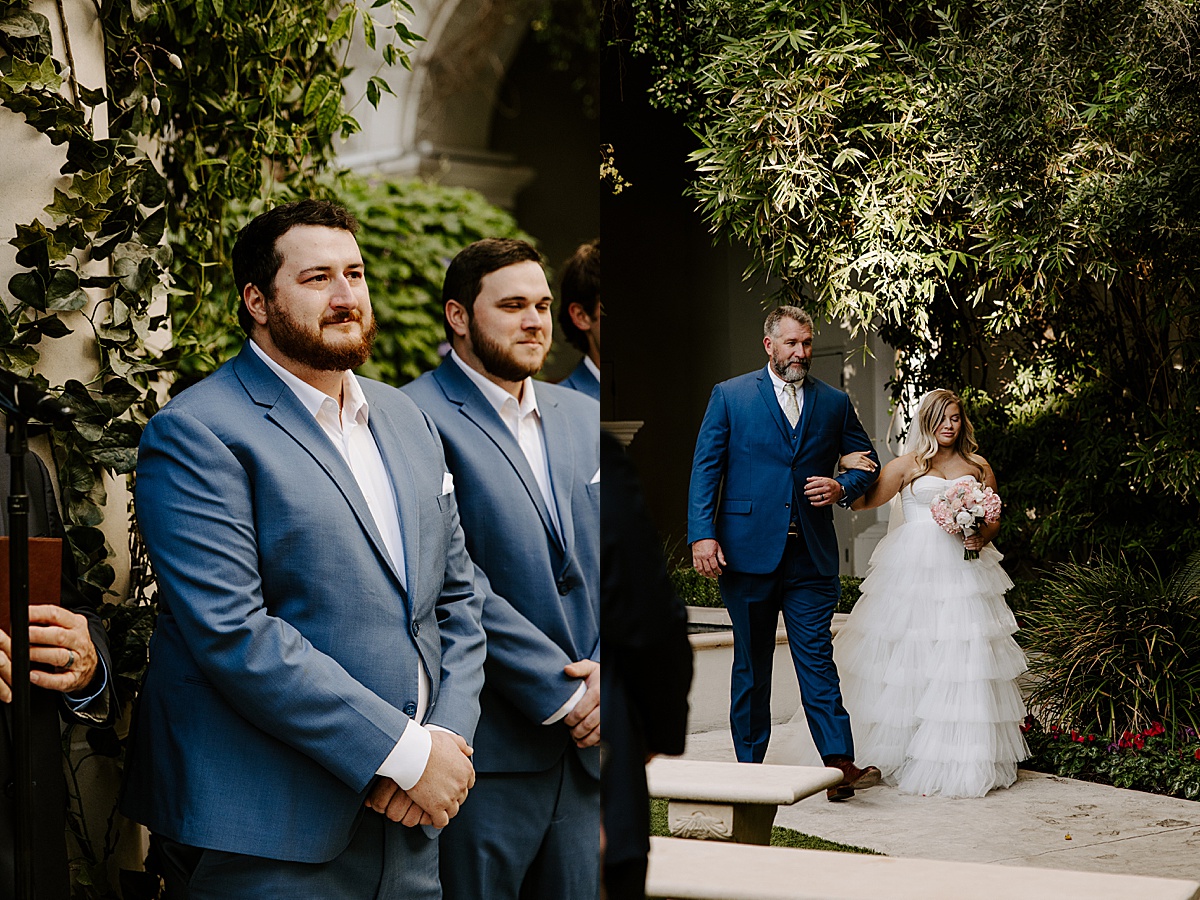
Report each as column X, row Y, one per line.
column 928, row 667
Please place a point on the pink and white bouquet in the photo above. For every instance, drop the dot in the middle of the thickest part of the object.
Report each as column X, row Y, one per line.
column 964, row 508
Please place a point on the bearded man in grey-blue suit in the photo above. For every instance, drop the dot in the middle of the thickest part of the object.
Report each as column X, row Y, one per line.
column 319, row 630
column 760, row 519
column 525, row 457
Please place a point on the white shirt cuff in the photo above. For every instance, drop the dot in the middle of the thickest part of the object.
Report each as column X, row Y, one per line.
column 406, row 763
column 569, row 705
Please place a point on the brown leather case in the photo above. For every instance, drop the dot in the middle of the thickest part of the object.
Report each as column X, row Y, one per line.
column 45, row 575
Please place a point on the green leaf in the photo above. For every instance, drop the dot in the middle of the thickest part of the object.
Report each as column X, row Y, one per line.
column 369, row 31
column 88, row 431
column 63, row 283
column 153, row 226
column 141, row 9
column 317, row 94
column 46, row 326
column 341, row 25
column 29, row 288
column 25, row 24
column 32, row 243
column 94, row 188
column 329, row 113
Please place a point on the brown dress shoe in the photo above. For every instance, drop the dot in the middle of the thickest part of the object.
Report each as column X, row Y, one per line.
column 852, row 778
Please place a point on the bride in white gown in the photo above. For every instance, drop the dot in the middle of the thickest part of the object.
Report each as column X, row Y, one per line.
column 927, row 660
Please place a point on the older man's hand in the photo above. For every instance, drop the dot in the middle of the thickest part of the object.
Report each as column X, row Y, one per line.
column 59, row 639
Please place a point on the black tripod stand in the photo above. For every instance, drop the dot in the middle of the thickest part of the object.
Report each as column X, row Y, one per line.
column 22, row 400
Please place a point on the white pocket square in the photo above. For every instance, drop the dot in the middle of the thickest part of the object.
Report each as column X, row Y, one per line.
column 595, row 478
column 447, row 483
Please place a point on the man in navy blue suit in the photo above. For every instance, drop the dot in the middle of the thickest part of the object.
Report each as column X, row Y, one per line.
column 760, row 519
column 579, row 316
column 525, row 456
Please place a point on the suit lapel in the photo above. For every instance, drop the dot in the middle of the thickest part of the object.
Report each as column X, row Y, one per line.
column 559, row 456
column 286, row 411
column 806, row 414
column 459, row 390
column 766, row 388
column 404, row 486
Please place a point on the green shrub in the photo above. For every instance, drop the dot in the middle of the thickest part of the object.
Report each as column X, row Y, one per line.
column 1148, row 760
column 851, row 591
column 694, row 589
column 1115, row 647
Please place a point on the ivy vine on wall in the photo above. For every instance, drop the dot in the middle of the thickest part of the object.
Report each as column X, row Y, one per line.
column 237, row 100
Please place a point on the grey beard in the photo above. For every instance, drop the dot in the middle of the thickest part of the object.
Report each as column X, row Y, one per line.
column 789, row 375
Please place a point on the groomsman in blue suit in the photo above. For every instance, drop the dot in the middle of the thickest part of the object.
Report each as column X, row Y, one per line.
column 319, row 629
column 579, row 316
column 525, row 457
column 760, row 520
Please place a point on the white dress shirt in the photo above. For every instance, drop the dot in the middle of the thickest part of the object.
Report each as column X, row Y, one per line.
column 592, row 367
column 347, row 427
column 524, row 422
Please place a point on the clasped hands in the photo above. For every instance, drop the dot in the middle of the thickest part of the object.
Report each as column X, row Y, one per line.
column 440, row 791
column 442, row 788
column 60, row 639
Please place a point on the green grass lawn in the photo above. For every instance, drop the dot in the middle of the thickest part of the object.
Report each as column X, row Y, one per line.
column 780, row 837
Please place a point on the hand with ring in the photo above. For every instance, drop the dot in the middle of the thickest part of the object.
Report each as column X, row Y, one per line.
column 58, row 639
column 822, row 491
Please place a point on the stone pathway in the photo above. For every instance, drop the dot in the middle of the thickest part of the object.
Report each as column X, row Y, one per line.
column 1111, row 830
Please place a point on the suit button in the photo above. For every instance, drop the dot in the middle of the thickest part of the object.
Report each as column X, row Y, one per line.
column 410, row 709
column 564, row 587
column 10, row 790
column 416, row 629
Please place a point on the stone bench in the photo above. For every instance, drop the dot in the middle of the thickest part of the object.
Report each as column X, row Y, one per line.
column 726, row 801
column 696, row 870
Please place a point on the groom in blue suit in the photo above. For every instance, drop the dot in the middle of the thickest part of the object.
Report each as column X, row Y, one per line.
column 525, row 456
column 319, row 630
column 760, row 520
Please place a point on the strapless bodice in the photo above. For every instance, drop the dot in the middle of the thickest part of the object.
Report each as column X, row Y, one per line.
column 917, row 497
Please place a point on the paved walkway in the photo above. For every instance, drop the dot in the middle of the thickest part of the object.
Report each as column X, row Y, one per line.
column 1111, row 830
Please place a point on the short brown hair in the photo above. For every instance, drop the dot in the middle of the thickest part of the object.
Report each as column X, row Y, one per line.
column 466, row 271
column 255, row 259
column 580, row 283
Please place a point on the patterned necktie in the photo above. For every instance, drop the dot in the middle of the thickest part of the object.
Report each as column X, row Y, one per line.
column 790, row 408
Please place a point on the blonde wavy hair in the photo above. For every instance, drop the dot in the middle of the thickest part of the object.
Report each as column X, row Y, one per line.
column 929, row 416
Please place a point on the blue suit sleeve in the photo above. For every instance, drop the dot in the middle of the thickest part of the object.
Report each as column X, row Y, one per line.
column 708, row 468
column 854, row 437
column 195, row 509
column 524, row 664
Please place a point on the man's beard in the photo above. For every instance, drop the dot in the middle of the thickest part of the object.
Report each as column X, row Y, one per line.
column 311, row 347
column 498, row 360
column 788, row 374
